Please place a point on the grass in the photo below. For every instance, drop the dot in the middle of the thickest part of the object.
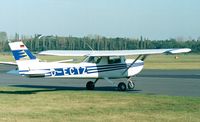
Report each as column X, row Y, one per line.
column 26, row 104
column 187, row 61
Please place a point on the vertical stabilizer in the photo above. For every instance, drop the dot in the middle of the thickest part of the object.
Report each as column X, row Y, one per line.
column 24, row 58
column 21, row 52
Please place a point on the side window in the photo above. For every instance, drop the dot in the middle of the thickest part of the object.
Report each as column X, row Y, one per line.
column 98, row 59
column 113, row 60
column 94, row 59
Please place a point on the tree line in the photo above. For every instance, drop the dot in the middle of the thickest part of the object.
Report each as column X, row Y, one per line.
column 38, row 43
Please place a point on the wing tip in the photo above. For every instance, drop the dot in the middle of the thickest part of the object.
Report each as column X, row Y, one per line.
column 182, row 50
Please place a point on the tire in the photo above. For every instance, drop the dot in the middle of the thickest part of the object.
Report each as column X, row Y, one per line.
column 90, row 85
column 122, row 86
column 131, row 85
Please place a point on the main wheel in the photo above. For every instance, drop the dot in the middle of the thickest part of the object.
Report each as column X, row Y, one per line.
column 122, row 86
column 90, row 85
column 131, row 85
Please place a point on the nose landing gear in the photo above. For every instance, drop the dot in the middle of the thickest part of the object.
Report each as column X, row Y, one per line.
column 130, row 85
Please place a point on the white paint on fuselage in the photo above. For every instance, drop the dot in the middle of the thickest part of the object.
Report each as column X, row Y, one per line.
column 79, row 70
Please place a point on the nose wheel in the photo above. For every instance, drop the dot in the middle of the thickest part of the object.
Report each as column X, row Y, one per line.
column 130, row 85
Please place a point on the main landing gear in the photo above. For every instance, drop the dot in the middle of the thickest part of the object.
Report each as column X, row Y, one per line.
column 122, row 86
column 90, row 85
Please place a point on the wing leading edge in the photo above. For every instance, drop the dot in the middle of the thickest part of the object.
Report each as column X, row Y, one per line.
column 114, row 52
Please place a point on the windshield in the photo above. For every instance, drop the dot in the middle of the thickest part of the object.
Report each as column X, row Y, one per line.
column 92, row 59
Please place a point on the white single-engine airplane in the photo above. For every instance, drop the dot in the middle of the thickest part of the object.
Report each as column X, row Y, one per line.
column 97, row 64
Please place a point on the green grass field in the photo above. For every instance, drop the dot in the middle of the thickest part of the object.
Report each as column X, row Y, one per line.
column 51, row 105
column 187, row 61
column 26, row 104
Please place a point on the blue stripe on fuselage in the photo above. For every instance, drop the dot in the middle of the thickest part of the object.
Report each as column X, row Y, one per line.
column 85, row 70
column 113, row 67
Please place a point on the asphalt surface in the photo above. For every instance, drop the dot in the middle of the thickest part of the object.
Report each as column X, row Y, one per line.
column 153, row 82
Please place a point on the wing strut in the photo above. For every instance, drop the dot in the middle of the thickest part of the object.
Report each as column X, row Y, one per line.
column 131, row 64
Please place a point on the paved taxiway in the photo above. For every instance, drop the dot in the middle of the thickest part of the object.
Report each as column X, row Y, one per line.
column 162, row 82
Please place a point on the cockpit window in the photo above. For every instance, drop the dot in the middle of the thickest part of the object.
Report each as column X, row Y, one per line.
column 92, row 59
column 113, row 60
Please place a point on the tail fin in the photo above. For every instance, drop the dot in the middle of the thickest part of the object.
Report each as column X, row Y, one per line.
column 20, row 51
column 24, row 58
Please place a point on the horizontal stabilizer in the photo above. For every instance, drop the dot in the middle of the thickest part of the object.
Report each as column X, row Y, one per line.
column 35, row 73
column 9, row 63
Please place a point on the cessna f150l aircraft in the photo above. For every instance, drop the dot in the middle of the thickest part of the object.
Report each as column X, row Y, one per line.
column 97, row 64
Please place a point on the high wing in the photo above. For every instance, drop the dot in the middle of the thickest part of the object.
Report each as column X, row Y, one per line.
column 113, row 52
